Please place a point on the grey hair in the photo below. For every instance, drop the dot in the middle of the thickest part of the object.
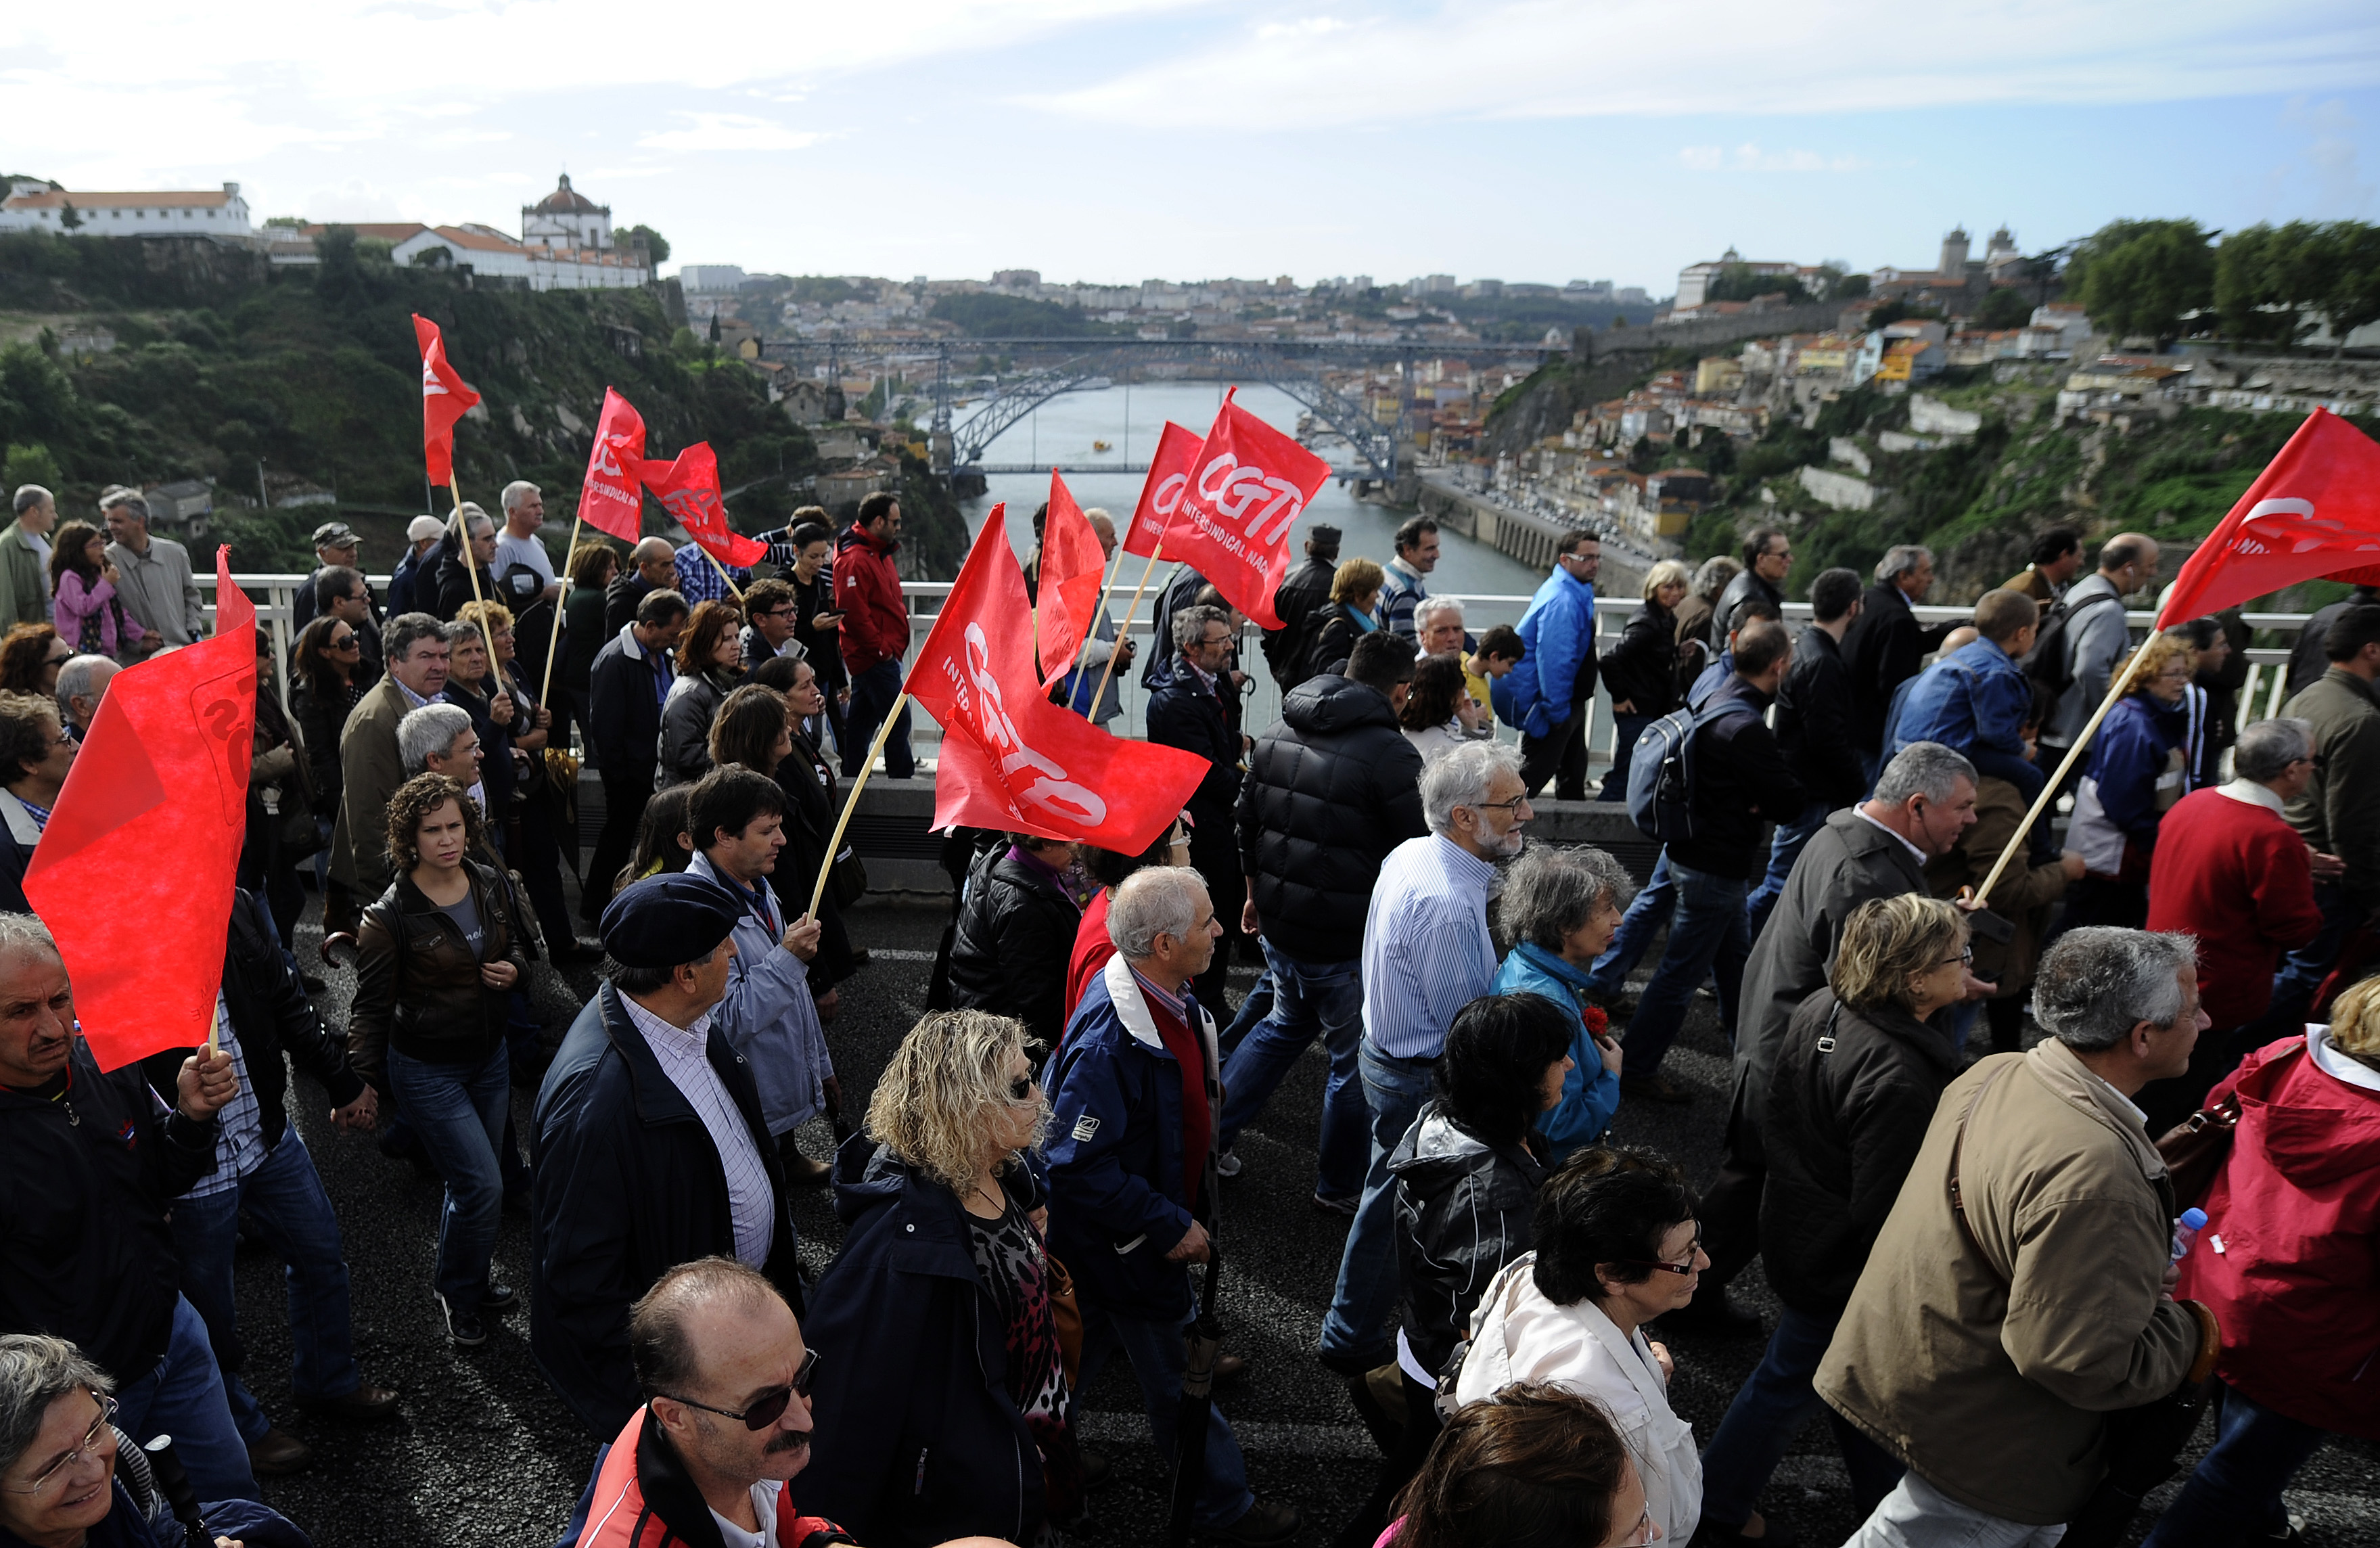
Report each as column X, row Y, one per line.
column 30, row 494
column 460, row 630
column 74, row 679
column 408, row 629
column 1190, row 625
column 2263, row 754
column 2098, row 982
column 131, row 499
column 1550, row 891
column 1461, row 778
column 1926, row 768
column 1714, row 575
column 429, row 729
column 515, row 491
column 26, row 932
column 1430, row 607
column 36, row 1370
column 469, row 515
column 1901, row 559
column 1155, row 900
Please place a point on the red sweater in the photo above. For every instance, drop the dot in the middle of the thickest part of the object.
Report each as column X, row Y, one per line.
column 2236, row 876
column 876, row 621
column 1092, row 949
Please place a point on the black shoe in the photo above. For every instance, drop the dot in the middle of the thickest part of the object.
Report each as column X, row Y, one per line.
column 1097, row 1471
column 463, row 1328
column 860, row 956
column 1264, row 1524
column 1656, row 1086
column 1711, row 1312
column 498, row 1296
column 313, row 982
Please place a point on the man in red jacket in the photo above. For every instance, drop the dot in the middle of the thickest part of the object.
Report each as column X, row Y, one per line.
column 874, row 634
column 2231, row 871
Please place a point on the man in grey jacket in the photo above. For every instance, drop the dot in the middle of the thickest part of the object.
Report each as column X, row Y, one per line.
column 1924, row 800
column 25, row 559
column 153, row 575
column 2096, row 636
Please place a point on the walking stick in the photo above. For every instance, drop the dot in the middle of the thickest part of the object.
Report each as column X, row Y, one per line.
column 1198, row 1407
column 2117, row 687
column 851, row 803
column 1124, row 630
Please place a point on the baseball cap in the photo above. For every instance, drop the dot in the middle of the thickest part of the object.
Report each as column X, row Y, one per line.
column 333, row 534
column 421, row 529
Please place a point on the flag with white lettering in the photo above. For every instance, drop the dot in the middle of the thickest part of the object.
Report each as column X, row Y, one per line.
column 611, row 497
column 1009, row 759
column 1248, row 487
column 1073, row 568
column 688, row 489
column 2313, row 513
column 446, row 397
column 1160, row 495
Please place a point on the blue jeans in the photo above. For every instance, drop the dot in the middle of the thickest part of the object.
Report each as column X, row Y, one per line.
column 1355, row 1332
column 1783, row 851
column 1768, row 1410
column 284, row 1198
column 183, row 1396
column 1159, row 1360
column 1307, row 998
column 1707, row 936
column 872, row 693
column 459, row 1112
column 2235, row 1495
column 1625, row 729
column 2302, row 970
column 1255, row 1007
column 1646, row 912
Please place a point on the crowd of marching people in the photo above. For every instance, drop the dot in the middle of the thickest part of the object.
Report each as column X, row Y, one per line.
column 1981, row 1066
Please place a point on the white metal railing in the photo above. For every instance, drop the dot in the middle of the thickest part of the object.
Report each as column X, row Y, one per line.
column 2259, row 699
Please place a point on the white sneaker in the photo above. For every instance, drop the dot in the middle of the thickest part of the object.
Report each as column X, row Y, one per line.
column 1227, row 1164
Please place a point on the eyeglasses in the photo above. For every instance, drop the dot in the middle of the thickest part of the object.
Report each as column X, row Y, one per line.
column 786, row 612
column 771, row 1406
column 1693, row 1251
column 1499, row 806
column 1966, row 954
column 57, row 660
column 66, row 1464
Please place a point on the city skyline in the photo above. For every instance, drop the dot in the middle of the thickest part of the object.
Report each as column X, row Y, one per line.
column 1116, row 140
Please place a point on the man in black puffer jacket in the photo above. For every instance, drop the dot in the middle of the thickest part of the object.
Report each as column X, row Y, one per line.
column 1186, row 709
column 1331, row 790
column 1015, row 932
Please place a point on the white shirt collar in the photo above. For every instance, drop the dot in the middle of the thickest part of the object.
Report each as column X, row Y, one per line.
column 1918, row 854
column 661, row 1034
column 2248, row 792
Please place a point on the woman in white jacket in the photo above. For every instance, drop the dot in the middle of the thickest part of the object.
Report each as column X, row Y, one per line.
column 1618, row 1245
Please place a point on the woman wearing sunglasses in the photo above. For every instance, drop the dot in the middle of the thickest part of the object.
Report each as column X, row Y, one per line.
column 942, row 1414
column 1618, row 1245
column 1858, row 1076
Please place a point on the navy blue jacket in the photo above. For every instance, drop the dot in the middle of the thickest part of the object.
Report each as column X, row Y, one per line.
column 1183, row 713
column 917, row 1440
column 1118, row 1200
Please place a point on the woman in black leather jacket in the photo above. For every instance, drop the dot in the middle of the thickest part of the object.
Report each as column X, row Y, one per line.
column 1641, row 672
column 1016, row 932
column 1467, row 1176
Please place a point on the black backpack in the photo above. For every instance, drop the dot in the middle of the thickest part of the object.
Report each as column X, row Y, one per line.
column 2050, row 662
column 1661, row 769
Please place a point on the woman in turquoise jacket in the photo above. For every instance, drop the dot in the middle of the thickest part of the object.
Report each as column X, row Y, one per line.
column 1561, row 907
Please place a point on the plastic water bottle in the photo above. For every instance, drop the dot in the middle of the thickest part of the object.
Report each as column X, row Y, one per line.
column 2185, row 1231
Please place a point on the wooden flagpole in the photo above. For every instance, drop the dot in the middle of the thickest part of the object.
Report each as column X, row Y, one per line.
column 471, row 563
column 2117, row 688
column 737, row 592
column 851, row 802
column 1124, row 630
column 553, row 646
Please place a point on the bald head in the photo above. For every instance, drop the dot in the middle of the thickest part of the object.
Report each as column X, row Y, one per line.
column 2129, row 560
column 655, row 560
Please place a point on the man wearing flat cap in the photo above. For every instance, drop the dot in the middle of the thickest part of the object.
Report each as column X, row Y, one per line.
column 336, row 547
column 650, row 1151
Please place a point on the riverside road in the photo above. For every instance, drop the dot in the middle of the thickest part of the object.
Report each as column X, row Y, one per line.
column 482, row 1453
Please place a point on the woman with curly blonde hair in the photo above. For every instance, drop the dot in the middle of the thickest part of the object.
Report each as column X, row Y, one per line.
column 943, row 1414
column 2141, row 764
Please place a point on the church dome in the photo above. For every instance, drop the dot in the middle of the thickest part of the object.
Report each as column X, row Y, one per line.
column 566, row 201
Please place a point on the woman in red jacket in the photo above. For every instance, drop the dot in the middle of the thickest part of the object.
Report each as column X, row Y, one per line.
column 2286, row 1264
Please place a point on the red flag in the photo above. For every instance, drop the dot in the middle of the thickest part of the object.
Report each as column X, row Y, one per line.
column 1011, row 759
column 2314, row 512
column 612, row 498
column 688, row 489
column 1073, row 569
column 1251, row 485
column 147, row 831
column 1169, row 474
column 446, row 397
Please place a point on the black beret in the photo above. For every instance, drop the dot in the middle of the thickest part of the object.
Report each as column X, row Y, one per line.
column 663, row 921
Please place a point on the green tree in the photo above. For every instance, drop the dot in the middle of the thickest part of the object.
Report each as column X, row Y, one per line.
column 70, row 217
column 30, row 464
column 2005, row 306
column 2266, row 277
column 1848, row 288
column 1736, row 282
column 2144, row 277
column 656, row 246
column 2351, row 300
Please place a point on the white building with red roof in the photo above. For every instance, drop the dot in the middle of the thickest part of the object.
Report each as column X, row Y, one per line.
column 173, row 213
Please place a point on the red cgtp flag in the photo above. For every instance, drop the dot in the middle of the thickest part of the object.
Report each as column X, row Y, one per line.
column 2314, row 512
column 1012, row 760
column 1073, row 569
column 1250, row 485
column 446, row 397
column 1160, row 495
column 611, row 497
column 688, row 489
column 148, row 830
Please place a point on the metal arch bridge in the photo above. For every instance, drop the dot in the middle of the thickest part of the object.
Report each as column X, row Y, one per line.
column 1296, row 367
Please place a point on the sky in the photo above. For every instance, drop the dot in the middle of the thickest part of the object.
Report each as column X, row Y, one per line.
column 1117, row 141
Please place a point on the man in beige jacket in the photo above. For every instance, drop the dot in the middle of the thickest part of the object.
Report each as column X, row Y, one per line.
column 1985, row 1346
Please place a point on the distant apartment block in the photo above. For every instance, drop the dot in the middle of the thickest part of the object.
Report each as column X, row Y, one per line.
column 63, row 211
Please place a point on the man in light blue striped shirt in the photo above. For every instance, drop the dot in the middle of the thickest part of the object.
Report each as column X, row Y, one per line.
column 1426, row 955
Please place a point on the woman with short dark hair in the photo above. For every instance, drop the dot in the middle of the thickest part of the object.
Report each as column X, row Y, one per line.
column 1435, row 707
column 1616, row 1246
column 1531, row 1467
column 1560, row 905
column 709, row 665
column 806, row 776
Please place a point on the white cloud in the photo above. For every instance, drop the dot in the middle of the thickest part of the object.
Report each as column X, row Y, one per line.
column 728, row 131
column 1749, row 157
column 1558, row 58
column 1310, row 26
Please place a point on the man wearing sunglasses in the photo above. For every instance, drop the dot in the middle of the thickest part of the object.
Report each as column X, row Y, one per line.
column 650, row 1148
column 725, row 1422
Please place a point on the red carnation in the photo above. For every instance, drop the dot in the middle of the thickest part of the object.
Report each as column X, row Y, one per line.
column 1593, row 1019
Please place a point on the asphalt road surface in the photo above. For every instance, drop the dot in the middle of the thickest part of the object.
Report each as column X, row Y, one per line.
column 483, row 1454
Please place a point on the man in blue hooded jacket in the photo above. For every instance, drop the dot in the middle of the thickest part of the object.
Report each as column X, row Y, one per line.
column 1556, row 676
